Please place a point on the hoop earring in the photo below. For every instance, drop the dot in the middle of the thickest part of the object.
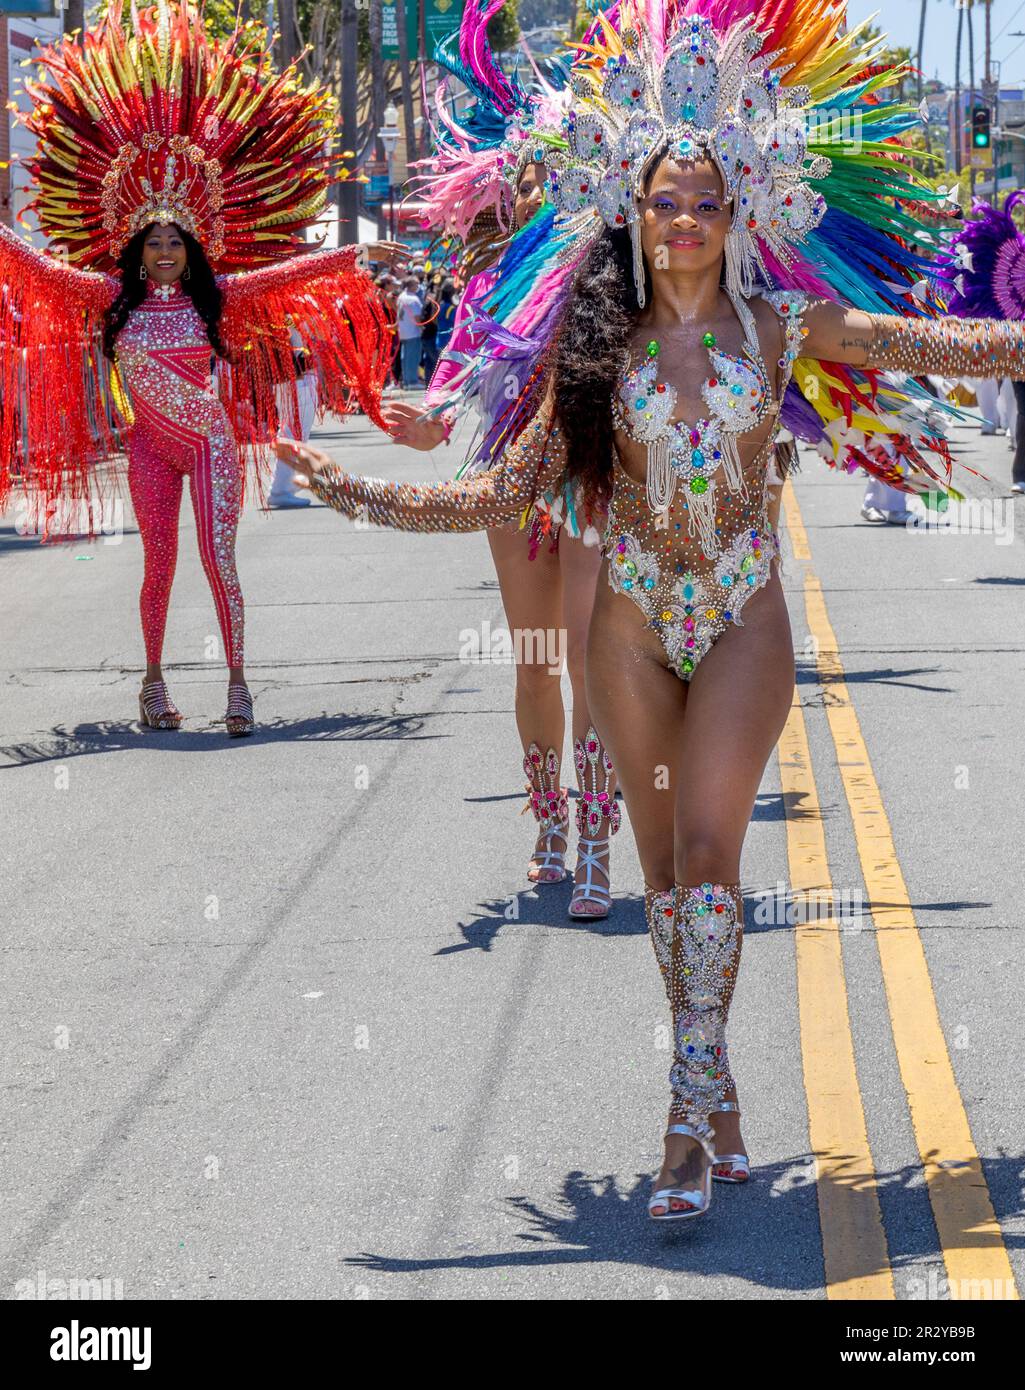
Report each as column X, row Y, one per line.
column 142, row 272
column 187, row 273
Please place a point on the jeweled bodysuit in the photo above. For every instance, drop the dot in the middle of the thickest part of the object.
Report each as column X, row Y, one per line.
column 687, row 557
column 180, row 429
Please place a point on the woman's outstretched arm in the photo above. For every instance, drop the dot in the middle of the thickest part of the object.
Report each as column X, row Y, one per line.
column 532, row 464
column 888, row 342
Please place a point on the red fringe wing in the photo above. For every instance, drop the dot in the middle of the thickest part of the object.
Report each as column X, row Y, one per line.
column 345, row 327
column 58, row 420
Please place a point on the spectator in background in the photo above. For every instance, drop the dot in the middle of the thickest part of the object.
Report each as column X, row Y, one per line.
column 429, row 331
column 409, row 310
column 1018, row 463
column 389, row 288
column 447, row 301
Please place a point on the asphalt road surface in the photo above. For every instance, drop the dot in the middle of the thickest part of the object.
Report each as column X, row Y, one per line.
column 282, row 1018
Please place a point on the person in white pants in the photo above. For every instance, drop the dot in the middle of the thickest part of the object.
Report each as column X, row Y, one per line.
column 883, row 503
column 987, row 393
column 296, row 417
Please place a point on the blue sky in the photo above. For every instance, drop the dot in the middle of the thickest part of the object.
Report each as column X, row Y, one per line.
column 899, row 18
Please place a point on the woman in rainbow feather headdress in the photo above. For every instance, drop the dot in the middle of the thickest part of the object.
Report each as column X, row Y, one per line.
column 728, row 264
column 164, row 157
column 485, row 182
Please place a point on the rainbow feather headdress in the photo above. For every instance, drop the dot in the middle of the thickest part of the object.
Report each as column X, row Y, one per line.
column 826, row 201
column 163, row 124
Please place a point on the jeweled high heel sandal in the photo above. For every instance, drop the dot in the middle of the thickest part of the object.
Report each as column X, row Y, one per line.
column 690, row 1201
column 156, row 708
column 595, row 809
column 738, row 1164
column 239, row 717
column 550, row 807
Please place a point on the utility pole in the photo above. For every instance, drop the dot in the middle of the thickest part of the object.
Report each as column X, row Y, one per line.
column 422, row 36
column 378, row 99
column 971, row 93
column 957, row 125
column 348, row 193
column 288, row 40
column 921, row 45
column 991, row 96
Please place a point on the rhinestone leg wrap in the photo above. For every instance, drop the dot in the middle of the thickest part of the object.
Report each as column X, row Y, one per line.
column 704, row 959
column 659, row 910
column 545, row 797
column 596, row 806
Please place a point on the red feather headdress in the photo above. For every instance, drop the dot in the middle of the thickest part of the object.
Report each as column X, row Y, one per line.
column 164, row 124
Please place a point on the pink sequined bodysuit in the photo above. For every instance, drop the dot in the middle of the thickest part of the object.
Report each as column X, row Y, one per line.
column 180, row 429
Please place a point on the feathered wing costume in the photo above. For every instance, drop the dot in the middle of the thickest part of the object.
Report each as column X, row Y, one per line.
column 790, row 110
column 163, row 124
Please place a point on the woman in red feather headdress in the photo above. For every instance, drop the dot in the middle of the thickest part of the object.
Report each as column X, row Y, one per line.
column 166, row 161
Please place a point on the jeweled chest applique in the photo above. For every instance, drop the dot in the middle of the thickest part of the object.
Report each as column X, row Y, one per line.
column 688, row 456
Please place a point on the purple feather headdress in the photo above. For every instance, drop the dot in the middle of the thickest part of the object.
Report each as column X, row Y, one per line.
column 983, row 268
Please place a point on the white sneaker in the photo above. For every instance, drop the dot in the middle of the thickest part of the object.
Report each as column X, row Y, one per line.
column 1019, row 486
column 873, row 514
column 295, row 501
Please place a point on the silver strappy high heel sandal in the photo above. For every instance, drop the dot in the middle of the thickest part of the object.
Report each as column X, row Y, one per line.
column 739, row 1164
column 550, row 806
column 590, row 854
column 596, row 809
column 691, row 1201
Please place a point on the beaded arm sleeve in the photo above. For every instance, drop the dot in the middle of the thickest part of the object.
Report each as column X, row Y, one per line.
column 533, row 463
column 947, row 346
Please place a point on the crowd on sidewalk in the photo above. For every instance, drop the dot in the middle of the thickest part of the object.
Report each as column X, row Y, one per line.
column 424, row 303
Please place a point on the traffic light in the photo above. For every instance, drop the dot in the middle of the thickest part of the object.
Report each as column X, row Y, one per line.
column 980, row 128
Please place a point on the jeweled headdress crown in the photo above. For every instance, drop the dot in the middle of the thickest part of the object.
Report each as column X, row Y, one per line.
column 698, row 95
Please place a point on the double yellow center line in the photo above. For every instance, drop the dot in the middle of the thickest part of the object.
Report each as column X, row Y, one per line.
column 853, row 1236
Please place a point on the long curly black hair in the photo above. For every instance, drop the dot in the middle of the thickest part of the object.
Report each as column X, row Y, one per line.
column 588, row 355
column 200, row 286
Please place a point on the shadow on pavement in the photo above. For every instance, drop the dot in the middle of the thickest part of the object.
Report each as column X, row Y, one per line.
column 765, row 1233
column 116, row 736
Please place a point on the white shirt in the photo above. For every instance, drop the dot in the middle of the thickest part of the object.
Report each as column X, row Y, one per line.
column 409, row 309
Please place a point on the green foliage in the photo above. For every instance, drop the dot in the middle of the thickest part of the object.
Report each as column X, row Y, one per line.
column 504, row 29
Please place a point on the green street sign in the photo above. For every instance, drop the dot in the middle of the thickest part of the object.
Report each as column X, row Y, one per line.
column 441, row 18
